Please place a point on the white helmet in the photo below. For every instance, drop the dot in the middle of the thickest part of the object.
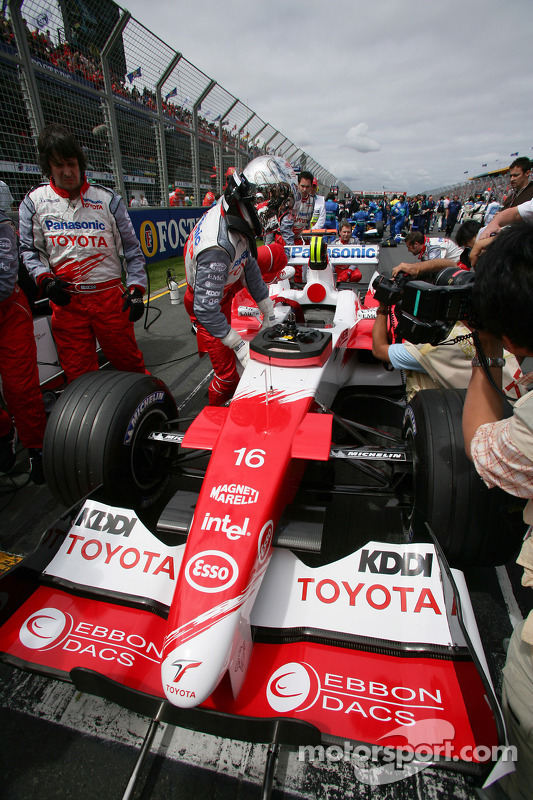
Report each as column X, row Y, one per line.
column 268, row 182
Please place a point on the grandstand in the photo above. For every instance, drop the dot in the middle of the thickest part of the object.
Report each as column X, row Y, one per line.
column 147, row 118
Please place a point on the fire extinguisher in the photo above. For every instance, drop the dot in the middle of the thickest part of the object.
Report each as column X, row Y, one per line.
column 173, row 287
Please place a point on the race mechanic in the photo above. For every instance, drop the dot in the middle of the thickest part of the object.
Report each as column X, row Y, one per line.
column 502, row 451
column 220, row 256
column 74, row 238
column 346, row 272
column 399, row 217
column 18, row 363
column 433, row 254
column 332, row 212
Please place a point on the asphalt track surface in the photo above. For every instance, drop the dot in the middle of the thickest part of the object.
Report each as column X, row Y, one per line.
column 58, row 743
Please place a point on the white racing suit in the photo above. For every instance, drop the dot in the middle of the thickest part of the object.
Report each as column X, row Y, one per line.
column 440, row 248
column 218, row 262
column 84, row 242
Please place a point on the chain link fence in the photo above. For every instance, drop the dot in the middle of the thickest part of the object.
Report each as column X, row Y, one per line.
column 148, row 120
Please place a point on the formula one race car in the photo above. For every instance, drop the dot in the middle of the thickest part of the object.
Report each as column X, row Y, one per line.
column 275, row 570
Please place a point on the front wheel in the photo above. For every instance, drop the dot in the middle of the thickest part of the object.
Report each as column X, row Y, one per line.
column 475, row 525
column 97, row 436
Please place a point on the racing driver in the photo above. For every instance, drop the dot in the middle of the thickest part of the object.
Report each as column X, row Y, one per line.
column 220, row 257
column 74, row 238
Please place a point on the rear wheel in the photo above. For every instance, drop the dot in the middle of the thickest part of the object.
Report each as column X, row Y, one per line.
column 474, row 525
column 97, row 435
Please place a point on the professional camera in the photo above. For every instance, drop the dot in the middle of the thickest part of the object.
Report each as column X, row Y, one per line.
column 426, row 312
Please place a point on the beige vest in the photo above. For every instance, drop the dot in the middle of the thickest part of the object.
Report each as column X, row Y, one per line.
column 449, row 367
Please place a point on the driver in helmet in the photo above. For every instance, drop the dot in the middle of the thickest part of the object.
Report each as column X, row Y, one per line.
column 221, row 257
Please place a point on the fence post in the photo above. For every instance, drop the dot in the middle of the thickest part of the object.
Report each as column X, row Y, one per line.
column 162, row 146
column 195, row 142
column 109, row 107
column 30, row 91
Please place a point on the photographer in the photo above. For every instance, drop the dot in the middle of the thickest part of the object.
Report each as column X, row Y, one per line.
column 502, row 452
column 445, row 366
column 433, row 254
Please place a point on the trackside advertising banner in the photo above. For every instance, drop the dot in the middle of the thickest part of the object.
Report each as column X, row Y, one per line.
column 163, row 232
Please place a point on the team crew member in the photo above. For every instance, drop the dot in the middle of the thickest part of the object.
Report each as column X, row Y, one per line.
column 318, row 220
column 18, row 363
column 74, row 238
column 433, row 254
column 299, row 218
column 346, row 272
column 220, row 255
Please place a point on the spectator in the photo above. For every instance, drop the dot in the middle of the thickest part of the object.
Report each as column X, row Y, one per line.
column 521, row 185
column 502, row 452
column 18, row 364
column 73, row 238
column 6, row 198
column 454, row 207
column 433, row 254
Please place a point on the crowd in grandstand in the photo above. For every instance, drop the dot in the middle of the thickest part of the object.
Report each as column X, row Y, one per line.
column 67, row 58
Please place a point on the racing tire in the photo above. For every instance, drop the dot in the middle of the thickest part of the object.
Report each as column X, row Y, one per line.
column 96, row 436
column 475, row 525
column 380, row 229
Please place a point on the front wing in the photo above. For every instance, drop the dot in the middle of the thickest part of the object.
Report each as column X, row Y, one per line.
column 379, row 648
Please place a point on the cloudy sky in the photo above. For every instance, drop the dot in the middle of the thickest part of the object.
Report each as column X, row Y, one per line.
column 402, row 94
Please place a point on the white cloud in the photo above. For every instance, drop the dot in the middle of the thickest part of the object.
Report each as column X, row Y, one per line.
column 357, row 139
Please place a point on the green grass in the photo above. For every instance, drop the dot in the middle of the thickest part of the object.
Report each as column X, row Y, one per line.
column 158, row 272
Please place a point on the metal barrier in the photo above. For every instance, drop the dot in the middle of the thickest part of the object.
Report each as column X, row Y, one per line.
column 149, row 121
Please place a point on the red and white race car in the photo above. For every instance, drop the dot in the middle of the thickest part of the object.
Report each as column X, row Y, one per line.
column 275, row 570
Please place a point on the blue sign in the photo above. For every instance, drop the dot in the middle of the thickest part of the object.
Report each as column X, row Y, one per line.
column 163, row 232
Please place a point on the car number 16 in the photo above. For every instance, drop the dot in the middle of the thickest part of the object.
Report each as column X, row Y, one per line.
column 252, row 458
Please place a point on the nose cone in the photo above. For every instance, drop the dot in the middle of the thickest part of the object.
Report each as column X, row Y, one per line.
column 191, row 671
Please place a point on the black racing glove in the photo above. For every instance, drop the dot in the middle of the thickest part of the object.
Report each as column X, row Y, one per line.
column 56, row 291
column 133, row 300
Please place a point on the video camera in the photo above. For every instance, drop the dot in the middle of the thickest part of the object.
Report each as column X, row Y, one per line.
column 427, row 312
